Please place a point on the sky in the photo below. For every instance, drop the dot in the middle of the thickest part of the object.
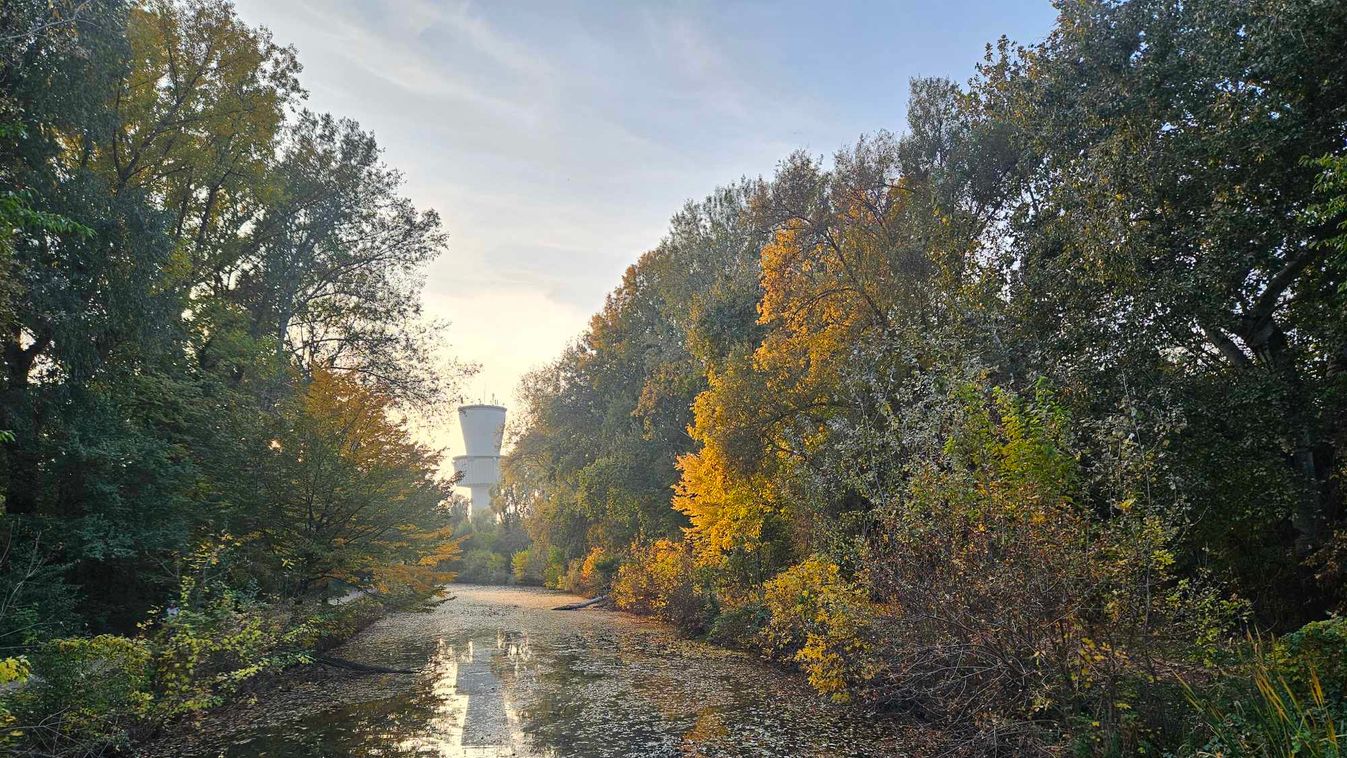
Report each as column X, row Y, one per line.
column 555, row 138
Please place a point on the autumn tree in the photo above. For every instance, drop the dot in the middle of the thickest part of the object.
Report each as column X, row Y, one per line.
column 182, row 250
column 350, row 496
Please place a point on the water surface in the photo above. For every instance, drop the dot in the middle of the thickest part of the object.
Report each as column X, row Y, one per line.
column 500, row 674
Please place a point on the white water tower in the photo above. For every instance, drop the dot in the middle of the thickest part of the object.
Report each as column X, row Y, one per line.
column 483, row 431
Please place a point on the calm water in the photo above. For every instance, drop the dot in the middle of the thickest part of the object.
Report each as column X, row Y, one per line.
column 498, row 674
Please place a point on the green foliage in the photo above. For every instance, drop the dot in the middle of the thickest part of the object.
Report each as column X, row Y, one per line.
column 86, row 694
column 555, row 570
column 526, row 567
column 481, row 566
column 1273, row 705
column 494, row 551
column 1316, row 652
column 209, row 324
column 204, row 651
column 739, row 626
column 1002, row 419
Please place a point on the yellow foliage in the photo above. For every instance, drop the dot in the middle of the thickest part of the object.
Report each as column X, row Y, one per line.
column 357, row 499
column 726, row 512
column 822, row 622
column 827, row 281
column 596, row 570
column 657, row 580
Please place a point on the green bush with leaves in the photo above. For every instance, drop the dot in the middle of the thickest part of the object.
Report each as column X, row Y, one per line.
column 202, row 655
column 528, row 567
column 1315, row 655
column 1273, row 704
column 85, row 695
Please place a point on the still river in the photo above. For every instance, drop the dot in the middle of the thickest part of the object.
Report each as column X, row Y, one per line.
column 499, row 674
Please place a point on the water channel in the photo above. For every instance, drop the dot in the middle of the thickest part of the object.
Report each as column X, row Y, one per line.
column 500, row 674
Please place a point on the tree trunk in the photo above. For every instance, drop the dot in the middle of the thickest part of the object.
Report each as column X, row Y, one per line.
column 1272, row 349
column 578, row 606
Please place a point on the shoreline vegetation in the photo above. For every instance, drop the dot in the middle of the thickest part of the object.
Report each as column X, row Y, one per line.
column 1028, row 422
column 212, row 341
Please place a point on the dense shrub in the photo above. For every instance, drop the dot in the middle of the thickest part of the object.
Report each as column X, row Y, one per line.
column 201, row 654
column 1317, row 651
column 1006, row 600
column 569, row 578
column 554, row 573
column 1273, row 704
column 823, row 623
column 658, row 580
column 483, row 566
column 589, row 576
column 597, row 570
column 85, row 694
column 739, row 625
column 528, row 567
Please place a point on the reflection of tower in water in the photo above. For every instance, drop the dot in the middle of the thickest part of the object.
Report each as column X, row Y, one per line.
column 516, row 647
column 472, row 682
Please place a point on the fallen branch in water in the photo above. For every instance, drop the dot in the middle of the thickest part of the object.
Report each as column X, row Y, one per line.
column 363, row 668
column 578, row 606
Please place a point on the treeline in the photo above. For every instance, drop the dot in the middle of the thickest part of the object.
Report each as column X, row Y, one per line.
column 1017, row 422
column 209, row 327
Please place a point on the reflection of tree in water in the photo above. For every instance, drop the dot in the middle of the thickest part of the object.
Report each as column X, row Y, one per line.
column 708, row 731
column 576, row 707
column 376, row 727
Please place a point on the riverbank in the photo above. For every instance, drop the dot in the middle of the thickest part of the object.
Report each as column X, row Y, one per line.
column 499, row 673
column 110, row 694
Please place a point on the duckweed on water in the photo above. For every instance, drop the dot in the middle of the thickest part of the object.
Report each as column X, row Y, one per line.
column 499, row 674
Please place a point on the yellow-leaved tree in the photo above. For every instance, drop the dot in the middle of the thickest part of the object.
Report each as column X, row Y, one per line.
column 841, row 265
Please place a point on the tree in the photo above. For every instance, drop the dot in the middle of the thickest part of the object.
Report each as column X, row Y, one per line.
column 1159, row 244
column 330, row 271
column 351, row 497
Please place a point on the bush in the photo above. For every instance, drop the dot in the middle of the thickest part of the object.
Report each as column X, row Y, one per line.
column 527, row 567
column 483, row 566
column 739, row 626
column 1317, row 650
column 1272, row 707
column 85, row 694
column 570, row 580
column 201, row 655
column 554, row 574
column 588, row 576
column 597, row 570
column 823, row 623
column 657, row 580
column 1008, row 601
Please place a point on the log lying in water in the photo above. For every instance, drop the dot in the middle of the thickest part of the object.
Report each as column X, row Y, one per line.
column 363, row 668
column 578, row 606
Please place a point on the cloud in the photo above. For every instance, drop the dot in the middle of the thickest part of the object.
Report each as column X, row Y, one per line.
column 556, row 139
